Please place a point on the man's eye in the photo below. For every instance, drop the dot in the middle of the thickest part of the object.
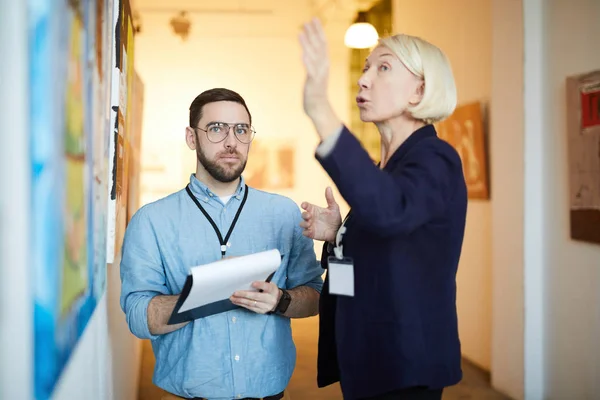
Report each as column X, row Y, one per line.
column 242, row 131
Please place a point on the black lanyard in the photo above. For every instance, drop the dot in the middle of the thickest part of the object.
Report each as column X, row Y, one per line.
column 221, row 240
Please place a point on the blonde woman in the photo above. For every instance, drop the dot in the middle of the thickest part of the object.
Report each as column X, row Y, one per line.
column 388, row 321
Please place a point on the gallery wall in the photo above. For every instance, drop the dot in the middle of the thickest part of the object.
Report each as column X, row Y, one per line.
column 570, row 324
column 546, row 305
column 105, row 361
column 60, row 184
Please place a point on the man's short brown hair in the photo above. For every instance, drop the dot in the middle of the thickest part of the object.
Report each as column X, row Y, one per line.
column 212, row 96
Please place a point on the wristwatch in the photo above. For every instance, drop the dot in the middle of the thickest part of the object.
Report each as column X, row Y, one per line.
column 284, row 302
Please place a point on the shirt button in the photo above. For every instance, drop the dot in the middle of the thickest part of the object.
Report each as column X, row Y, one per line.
column 237, row 358
column 210, row 194
column 239, row 396
column 233, row 319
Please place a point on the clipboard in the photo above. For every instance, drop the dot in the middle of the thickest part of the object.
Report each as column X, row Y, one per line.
column 263, row 263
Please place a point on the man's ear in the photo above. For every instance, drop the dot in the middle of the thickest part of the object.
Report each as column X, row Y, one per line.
column 190, row 138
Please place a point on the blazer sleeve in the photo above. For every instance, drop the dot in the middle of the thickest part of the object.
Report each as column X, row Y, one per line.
column 389, row 203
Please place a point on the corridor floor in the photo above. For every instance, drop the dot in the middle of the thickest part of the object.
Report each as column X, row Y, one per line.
column 474, row 386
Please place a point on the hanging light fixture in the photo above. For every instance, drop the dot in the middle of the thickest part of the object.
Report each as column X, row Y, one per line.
column 361, row 34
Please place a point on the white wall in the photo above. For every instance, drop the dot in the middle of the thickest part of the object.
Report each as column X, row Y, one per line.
column 463, row 30
column 15, row 302
column 534, row 229
column 571, row 322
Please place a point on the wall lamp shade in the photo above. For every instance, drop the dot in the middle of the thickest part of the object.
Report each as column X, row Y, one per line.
column 361, row 34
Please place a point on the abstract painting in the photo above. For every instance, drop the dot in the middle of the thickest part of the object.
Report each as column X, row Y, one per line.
column 69, row 177
column 583, row 130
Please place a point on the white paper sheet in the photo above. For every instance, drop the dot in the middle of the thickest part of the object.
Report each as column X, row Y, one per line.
column 218, row 280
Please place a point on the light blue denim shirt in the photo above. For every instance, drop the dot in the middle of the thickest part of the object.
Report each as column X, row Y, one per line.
column 230, row 355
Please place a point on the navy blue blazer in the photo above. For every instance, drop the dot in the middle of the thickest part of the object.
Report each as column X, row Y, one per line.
column 404, row 232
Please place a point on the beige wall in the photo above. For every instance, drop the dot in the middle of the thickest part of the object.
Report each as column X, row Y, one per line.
column 463, row 30
column 262, row 63
column 507, row 169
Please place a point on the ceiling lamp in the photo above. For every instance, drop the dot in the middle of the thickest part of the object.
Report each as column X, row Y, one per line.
column 361, row 34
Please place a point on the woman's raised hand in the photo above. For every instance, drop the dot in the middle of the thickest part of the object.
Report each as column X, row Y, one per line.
column 316, row 62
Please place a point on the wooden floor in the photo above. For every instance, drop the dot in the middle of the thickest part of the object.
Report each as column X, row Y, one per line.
column 475, row 384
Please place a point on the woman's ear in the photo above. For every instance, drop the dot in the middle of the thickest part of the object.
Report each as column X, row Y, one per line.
column 418, row 95
column 190, row 138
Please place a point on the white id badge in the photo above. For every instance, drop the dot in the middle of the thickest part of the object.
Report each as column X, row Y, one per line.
column 341, row 276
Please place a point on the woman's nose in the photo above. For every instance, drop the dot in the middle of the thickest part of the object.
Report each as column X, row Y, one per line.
column 364, row 81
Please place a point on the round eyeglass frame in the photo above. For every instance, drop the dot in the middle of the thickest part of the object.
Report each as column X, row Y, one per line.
column 229, row 126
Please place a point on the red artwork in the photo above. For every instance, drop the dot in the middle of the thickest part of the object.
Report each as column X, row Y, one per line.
column 590, row 108
column 583, row 130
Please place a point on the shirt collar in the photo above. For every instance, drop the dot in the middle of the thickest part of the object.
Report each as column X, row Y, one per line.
column 202, row 192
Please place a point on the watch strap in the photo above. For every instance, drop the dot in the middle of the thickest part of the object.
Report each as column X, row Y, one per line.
column 283, row 304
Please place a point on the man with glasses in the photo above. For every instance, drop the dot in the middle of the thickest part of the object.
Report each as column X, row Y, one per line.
column 244, row 353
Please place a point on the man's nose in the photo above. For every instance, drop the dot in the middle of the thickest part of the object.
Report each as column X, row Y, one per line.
column 230, row 140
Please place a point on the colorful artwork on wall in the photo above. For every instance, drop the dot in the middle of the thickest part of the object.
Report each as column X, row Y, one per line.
column 69, row 86
column 583, row 130
column 464, row 130
column 123, row 72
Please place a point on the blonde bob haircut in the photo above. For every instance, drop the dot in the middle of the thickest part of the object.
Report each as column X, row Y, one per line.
column 429, row 63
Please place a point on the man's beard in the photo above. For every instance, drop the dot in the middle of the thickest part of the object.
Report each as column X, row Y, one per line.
column 218, row 172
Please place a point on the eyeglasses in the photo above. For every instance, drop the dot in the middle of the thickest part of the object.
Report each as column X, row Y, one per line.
column 216, row 132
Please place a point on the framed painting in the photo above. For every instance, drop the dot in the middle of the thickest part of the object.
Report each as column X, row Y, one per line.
column 583, row 132
column 464, row 130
